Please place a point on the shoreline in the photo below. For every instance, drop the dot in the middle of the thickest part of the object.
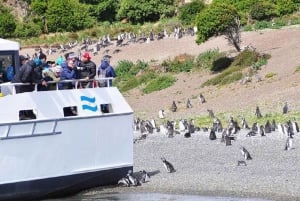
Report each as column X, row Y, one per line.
column 209, row 168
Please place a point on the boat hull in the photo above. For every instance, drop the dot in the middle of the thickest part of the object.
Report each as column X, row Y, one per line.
column 60, row 186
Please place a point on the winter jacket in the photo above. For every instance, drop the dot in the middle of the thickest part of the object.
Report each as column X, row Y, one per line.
column 68, row 74
column 106, row 70
column 25, row 75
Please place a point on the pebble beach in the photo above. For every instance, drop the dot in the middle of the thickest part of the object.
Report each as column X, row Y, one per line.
column 210, row 168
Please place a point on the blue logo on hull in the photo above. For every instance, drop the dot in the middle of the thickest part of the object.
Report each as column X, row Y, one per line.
column 91, row 103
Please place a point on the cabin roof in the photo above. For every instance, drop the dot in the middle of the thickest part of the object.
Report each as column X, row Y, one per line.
column 7, row 45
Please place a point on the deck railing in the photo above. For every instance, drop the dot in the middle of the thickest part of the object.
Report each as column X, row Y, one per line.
column 95, row 84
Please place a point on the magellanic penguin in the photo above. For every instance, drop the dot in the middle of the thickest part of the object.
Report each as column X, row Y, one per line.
column 288, row 143
column 245, row 153
column 124, row 182
column 132, row 180
column 169, row 167
column 145, row 177
column 174, row 107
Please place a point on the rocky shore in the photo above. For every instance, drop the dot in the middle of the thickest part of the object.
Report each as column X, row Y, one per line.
column 210, row 168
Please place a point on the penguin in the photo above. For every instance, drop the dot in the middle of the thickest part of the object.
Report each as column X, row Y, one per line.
column 245, row 153
column 261, row 130
column 295, row 126
column 145, row 177
column 181, row 125
column 268, row 127
column 161, row 114
column 251, row 133
column 281, row 129
column 132, row 180
column 124, row 182
column 257, row 112
column 153, row 123
column 174, row 107
column 170, row 129
column 211, row 113
column 244, row 123
column 191, row 126
column 169, row 167
column 202, row 99
column 212, row 135
column 188, row 103
column 285, row 108
column 254, row 127
column 273, row 125
column 187, row 134
column 288, row 143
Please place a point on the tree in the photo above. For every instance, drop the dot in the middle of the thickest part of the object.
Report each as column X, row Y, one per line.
column 105, row 10
column 7, row 23
column 219, row 19
column 39, row 6
column 189, row 11
column 262, row 10
column 139, row 11
column 67, row 15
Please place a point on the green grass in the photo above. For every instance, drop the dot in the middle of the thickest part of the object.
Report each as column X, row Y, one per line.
column 206, row 121
column 159, row 83
column 270, row 75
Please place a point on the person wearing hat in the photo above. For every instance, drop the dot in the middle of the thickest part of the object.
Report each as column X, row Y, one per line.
column 87, row 70
column 105, row 70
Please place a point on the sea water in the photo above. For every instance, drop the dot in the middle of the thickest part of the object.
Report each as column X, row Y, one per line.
column 153, row 197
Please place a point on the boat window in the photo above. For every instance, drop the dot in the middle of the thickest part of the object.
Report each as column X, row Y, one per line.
column 70, row 111
column 26, row 115
column 106, row 108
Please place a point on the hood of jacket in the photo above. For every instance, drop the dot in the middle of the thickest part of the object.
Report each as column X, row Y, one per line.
column 104, row 64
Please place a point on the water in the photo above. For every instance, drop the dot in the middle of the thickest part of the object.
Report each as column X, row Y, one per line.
column 154, row 197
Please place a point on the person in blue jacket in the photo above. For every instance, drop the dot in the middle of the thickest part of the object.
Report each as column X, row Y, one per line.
column 69, row 72
column 105, row 70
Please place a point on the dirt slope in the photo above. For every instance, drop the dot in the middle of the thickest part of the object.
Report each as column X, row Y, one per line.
column 283, row 45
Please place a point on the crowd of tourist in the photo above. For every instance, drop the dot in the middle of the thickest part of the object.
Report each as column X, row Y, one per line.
column 69, row 72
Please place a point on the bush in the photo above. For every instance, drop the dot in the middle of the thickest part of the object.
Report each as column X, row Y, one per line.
column 246, row 58
column 228, row 76
column 189, row 11
column 206, row 59
column 29, row 29
column 129, row 84
column 181, row 63
column 159, row 83
column 262, row 25
column 7, row 22
column 263, row 11
column 123, row 69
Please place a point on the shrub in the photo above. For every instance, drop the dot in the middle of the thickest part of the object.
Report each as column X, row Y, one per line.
column 262, row 25
column 228, row 76
column 129, row 84
column 146, row 77
column 245, row 58
column 123, row 69
column 7, row 22
column 181, row 63
column 29, row 29
column 159, row 83
column 205, row 60
column 263, row 11
column 189, row 11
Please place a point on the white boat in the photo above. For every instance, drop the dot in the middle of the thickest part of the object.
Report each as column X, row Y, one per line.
column 67, row 145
